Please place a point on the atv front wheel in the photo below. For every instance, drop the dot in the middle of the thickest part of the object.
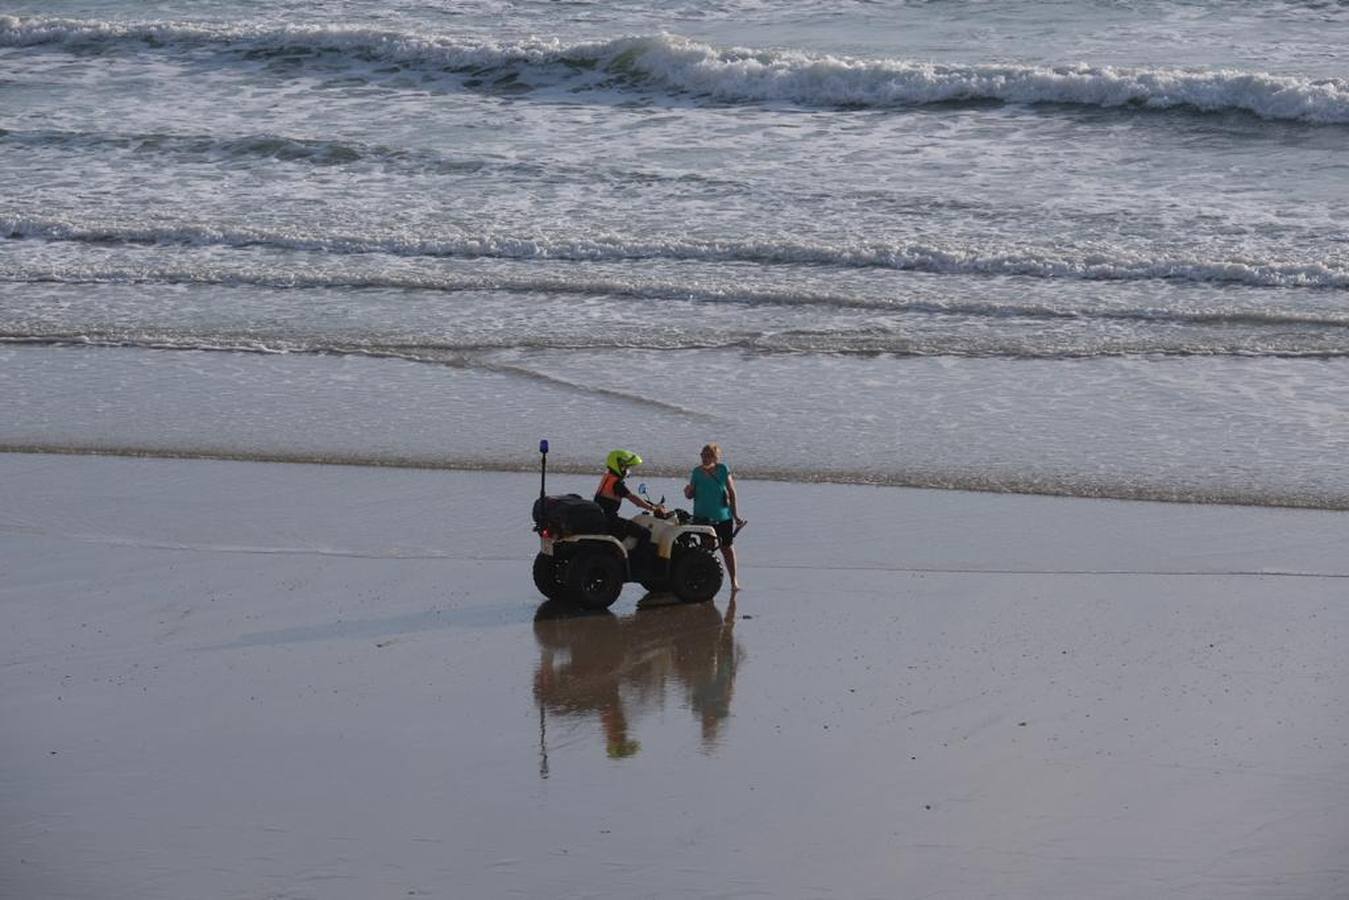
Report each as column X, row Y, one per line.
column 695, row 575
column 545, row 577
column 595, row 578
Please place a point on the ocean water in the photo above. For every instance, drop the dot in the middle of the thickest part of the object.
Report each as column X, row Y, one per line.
column 1095, row 248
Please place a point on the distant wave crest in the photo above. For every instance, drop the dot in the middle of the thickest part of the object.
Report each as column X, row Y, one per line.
column 198, row 147
column 268, row 146
column 655, row 289
column 856, row 254
column 733, row 75
column 476, row 350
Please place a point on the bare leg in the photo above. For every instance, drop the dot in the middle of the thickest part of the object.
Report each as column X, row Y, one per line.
column 729, row 554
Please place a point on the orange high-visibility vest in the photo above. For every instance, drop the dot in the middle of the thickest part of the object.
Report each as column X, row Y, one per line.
column 608, row 488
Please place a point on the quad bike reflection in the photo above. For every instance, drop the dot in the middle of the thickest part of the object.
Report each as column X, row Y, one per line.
column 615, row 668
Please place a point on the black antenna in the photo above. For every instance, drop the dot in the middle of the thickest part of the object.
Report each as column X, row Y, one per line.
column 543, row 467
column 543, row 744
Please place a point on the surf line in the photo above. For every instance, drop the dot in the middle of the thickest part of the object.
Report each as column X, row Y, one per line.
column 937, row 570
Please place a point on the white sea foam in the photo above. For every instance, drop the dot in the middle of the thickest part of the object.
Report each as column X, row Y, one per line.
column 472, row 352
column 733, row 75
column 954, row 260
column 635, row 286
column 327, row 152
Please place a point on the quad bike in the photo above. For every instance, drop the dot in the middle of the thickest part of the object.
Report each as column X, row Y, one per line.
column 581, row 562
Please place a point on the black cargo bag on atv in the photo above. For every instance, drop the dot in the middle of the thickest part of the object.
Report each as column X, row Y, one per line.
column 570, row 514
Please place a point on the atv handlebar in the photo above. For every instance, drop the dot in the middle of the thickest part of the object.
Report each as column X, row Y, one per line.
column 682, row 516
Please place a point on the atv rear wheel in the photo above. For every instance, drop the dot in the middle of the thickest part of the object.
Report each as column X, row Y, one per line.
column 545, row 577
column 695, row 575
column 594, row 578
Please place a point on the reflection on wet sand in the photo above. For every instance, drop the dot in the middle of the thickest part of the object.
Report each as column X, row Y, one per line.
column 618, row 667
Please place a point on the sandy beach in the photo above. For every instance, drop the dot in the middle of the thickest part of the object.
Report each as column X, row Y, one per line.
column 244, row 680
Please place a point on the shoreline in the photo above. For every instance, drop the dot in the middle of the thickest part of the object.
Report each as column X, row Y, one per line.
column 990, row 485
column 1124, row 429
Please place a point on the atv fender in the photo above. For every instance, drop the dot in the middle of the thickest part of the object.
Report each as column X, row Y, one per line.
column 664, row 532
column 668, row 540
column 578, row 540
column 549, row 545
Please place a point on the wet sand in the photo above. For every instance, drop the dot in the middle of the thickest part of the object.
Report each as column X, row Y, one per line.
column 261, row 680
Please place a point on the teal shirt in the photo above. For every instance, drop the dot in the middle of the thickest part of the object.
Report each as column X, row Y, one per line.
column 711, row 499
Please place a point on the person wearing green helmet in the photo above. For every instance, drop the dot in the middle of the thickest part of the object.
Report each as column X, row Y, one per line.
column 613, row 491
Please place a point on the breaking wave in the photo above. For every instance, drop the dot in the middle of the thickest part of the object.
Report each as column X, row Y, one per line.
column 317, row 152
column 475, row 351
column 674, row 64
column 859, row 254
column 656, row 289
column 328, row 152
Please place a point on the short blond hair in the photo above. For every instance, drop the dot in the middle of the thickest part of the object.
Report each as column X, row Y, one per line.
column 713, row 448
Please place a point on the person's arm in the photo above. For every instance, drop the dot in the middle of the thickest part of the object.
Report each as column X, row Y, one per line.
column 637, row 499
column 730, row 495
column 688, row 488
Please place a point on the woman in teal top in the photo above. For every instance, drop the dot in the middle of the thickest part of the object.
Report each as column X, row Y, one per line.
column 712, row 490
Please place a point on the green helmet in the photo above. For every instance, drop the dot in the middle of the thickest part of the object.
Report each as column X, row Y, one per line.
column 622, row 749
column 620, row 461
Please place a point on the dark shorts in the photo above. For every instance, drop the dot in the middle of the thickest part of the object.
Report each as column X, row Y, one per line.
column 725, row 530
